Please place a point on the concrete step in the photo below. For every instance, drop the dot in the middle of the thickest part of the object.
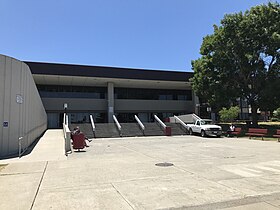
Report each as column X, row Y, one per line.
column 106, row 130
column 86, row 128
column 131, row 129
column 177, row 129
column 109, row 130
column 153, row 129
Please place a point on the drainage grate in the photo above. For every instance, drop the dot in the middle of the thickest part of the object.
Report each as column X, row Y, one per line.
column 164, row 164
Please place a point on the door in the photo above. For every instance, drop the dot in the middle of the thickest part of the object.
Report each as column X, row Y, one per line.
column 53, row 120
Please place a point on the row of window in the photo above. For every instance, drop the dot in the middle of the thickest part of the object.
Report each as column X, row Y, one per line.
column 76, row 89
column 56, row 91
column 152, row 94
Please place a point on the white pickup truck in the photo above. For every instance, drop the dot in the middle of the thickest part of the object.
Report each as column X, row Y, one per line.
column 205, row 128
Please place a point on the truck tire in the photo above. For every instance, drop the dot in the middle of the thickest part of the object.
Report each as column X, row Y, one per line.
column 203, row 133
column 190, row 131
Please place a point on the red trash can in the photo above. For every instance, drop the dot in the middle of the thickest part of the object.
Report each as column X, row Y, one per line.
column 168, row 131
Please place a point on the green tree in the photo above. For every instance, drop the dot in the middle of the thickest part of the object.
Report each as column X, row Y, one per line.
column 276, row 113
column 229, row 115
column 241, row 59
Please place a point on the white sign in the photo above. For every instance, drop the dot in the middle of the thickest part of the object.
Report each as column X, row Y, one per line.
column 19, row 99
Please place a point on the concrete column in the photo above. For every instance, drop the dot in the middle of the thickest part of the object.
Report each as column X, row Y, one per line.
column 110, row 89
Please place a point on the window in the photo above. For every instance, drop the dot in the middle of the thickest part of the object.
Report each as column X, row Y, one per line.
column 57, row 91
column 153, row 94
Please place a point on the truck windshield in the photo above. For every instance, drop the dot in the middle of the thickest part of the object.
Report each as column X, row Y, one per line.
column 206, row 122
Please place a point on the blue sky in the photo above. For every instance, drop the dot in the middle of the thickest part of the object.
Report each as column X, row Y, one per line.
column 149, row 34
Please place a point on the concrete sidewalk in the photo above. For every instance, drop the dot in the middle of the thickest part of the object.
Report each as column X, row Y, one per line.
column 49, row 148
column 208, row 173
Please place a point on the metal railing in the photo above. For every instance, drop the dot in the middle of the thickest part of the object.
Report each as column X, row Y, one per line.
column 92, row 124
column 20, row 151
column 64, row 124
column 160, row 122
column 140, row 123
column 195, row 117
column 21, row 147
column 67, row 139
column 181, row 123
column 65, row 119
column 67, row 134
column 119, row 127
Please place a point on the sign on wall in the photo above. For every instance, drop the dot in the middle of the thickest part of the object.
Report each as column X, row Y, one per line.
column 5, row 124
column 19, row 99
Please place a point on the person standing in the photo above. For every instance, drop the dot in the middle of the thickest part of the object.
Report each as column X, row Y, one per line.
column 231, row 129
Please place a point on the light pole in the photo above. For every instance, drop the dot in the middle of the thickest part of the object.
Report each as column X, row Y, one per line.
column 197, row 109
column 209, row 111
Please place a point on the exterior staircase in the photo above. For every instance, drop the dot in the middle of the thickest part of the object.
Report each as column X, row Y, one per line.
column 131, row 129
column 153, row 129
column 176, row 129
column 109, row 130
column 84, row 127
column 106, row 130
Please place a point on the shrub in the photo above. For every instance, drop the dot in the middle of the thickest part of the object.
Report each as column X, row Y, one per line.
column 228, row 115
column 274, row 119
column 276, row 113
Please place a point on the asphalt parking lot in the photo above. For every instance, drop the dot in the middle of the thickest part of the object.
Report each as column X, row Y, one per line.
column 204, row 173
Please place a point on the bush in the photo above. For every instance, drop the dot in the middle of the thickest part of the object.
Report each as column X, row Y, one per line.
column 229, row 115
column 276, row 113
column 274, row 119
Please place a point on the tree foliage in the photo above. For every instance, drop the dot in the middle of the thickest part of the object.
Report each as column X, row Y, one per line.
column 276, row 113
column 229, row 115
column 241, row 59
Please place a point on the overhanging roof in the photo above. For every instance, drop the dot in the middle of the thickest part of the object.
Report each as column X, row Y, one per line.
column 106, row 72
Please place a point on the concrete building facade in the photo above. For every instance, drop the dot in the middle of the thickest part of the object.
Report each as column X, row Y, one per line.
column 104, row 91
column 34, row 97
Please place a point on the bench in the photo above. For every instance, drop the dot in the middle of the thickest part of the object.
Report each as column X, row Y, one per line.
column 277, row 135
column 236, row 132
column 256, row 132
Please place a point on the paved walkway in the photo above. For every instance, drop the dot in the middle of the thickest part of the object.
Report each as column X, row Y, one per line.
column 208, row 173
column 49, row 148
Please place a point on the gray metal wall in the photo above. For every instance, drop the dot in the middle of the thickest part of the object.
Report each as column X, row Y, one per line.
column 21, row 109
column 77, row 104
column 121, row 105
column 126, row 105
